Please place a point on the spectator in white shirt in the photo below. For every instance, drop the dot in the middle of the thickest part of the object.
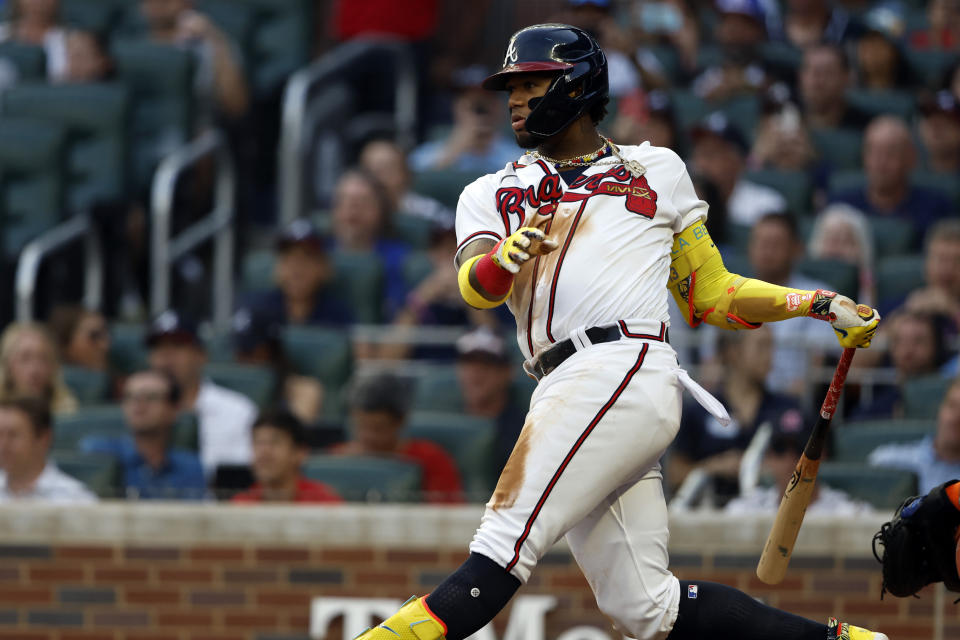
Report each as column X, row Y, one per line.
column 786, row 445
column 25, row 472
column 225, row 417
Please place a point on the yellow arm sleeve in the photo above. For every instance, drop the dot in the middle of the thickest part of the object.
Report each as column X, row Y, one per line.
column 707, row 292
column 470, row 293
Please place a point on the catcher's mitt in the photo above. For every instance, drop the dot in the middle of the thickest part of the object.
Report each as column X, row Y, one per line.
column 919, row 546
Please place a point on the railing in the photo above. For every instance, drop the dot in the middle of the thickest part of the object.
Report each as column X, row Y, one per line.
column 216, row 225
column 318, row 103
column 79, row 227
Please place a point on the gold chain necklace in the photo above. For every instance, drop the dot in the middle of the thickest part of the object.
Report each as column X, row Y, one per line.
column 596, row 158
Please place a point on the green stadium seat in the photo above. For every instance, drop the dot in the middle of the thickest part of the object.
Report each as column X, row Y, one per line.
column 219, row 346
column 840, row 148
column 945, row 183
column 854, row 441
column 738, row 262
column 257, row 383
column 922, row 396
column 468, row 439
column 128, row 353
column 688, row 109
column 89, row 386
column 256, row 272
column 107, row 421
column 522, row 389
column 416, row 267
column 930, row 66
column 99, row 472
column 29, row 60
column 893, row 102
column 96, row 118
column 319, row 352
column 161, row 82
column 445, row 185
column 234, row 19
column 366, row 479
column 897, row 276
column 667, row 56
column 413, row 230
column 282, row 41
column 891, row 236
column 32, row 179
column 795, row 186
column 738, row 237
column 843, row 181
column 436, row 389
column 843, row 277
column 781, row 57
column 885, row 489
column 92, row 15
column 358, row 281
column 743, row 112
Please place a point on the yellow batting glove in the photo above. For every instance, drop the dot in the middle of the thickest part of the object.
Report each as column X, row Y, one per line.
column 855, row 324
column 520, row 246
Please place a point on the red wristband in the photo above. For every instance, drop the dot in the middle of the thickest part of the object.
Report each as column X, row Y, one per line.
column 494, row 280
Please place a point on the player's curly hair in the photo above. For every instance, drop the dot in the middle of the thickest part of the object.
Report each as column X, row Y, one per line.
column 599, row 111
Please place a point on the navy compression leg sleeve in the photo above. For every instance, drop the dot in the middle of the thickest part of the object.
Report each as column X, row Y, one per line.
column 472, row 595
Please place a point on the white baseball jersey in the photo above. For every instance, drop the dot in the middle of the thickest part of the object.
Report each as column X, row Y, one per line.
column 615, row 234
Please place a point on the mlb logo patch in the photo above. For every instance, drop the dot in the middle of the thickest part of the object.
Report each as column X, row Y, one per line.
column 692, row 591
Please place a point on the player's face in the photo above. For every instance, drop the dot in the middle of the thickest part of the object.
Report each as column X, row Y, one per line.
column 521, row 88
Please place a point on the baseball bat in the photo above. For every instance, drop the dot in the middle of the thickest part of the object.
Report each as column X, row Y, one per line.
column 783, row 534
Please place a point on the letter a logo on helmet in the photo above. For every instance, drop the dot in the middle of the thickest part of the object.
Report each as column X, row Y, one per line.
column 578, row 62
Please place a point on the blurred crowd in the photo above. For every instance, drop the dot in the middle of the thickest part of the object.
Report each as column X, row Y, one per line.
column 825, row 135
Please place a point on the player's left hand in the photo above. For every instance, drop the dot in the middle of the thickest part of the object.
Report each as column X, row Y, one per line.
column 855, row 324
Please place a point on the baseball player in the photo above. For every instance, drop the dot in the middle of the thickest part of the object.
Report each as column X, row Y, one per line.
column 581, row 238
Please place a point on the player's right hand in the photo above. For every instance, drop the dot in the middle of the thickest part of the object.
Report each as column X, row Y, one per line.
column 525, row 243
column 855, row 324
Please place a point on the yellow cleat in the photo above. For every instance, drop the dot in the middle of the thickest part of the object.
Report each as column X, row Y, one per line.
column 413, row 621
column 845, row 631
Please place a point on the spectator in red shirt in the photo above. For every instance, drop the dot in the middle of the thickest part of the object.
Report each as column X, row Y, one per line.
column 279, row 451
column 378, row 413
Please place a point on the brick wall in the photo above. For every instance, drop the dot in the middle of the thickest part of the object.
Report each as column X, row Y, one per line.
column 248, row 588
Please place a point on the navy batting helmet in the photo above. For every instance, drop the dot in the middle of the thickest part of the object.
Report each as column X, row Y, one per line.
column 581, row 67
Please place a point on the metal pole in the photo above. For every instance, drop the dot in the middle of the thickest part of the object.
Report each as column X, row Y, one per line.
column 225, row 203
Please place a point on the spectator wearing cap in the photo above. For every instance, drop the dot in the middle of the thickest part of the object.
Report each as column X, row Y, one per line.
column 224, row 416
column 916, row 349
column 889, row 158
column 385, row 160
column 26, row 473
column 809, row 22
column 943, row 27
column 477, row 141
column 279, row 451
column 485, row 375
column 362, row 223
column 823, row 81
column 741, row 29
column 747, row 358
column 153, row 469
column 302, row 273
column 720, row 155
column 880, row 61
column 378, row 407
column 935, row 459
column 257, row 341
column 786, row 444
column 939, row 129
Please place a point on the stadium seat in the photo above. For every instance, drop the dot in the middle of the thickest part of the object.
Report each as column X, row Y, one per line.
column 161, row 82
column 945, row 183
column 89, row 386
column 522, row 388
column 854, row 441
column 795, row 186
column 436, row 389
column 875, row 102
column 839, row 148
column 98, row 16
column 32, row 179
column 891, row 236
column 843, row 277
column 96, row 118
column 99, row 472
column 282, row 41
column 885, row 489
column 922, row 396
column 358, row 281
column 29, row 60
column 444, row 185
column 897, row 276
column 416, row 267
column 128, row 353
column 366, row 479
column 468, row 439
column 931, row 65
column 319, row 352
column 219, row 346
column 256, row 272
column 107, row 421
column 847, row 180
column 781, row 57
column 257, row 383
column 413, row 230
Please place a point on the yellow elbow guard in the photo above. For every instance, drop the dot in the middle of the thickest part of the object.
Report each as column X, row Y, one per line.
column 469, row 293
column 707, row 292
